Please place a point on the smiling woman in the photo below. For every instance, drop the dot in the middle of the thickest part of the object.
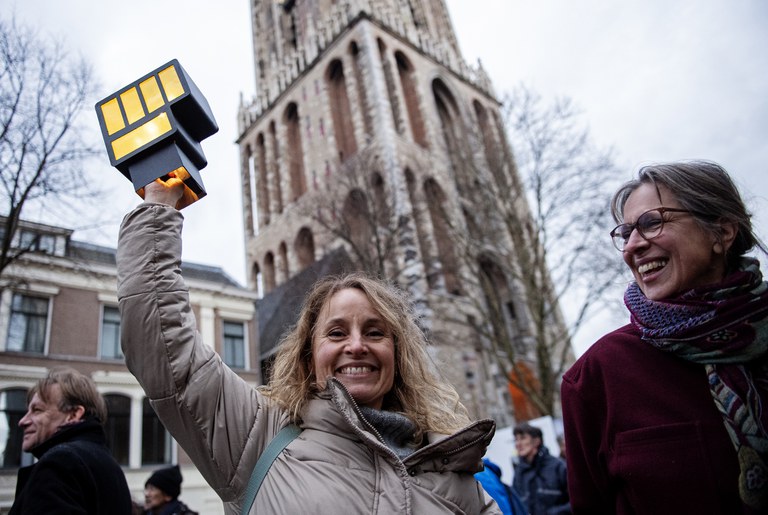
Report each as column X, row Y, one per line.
column 667, row 415
column 352, row 343
column 381, row 432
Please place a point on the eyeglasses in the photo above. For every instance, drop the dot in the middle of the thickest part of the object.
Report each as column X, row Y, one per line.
column 649, row 225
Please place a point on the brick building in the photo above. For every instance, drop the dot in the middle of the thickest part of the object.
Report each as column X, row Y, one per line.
column 58, row 306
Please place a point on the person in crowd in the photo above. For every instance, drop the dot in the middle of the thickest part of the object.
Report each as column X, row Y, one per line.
column 504, row 495
column 540, row 478
column 561, row 444
column 74, row 471
column 161, row 493
column 380, row 431
column 667, row 414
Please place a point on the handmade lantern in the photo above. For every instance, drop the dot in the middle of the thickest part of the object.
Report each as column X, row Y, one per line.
column 154, row 126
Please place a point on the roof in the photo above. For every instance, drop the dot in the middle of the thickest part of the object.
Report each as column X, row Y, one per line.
column 107, row 255
column 279, row 309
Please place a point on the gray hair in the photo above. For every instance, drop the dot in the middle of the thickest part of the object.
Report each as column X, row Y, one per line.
column 706, row 190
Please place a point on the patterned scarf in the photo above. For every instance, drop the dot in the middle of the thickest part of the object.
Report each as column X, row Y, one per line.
column 725, row 328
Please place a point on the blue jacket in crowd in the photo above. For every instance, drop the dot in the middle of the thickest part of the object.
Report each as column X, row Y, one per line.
column 505, row 497
column 542, row 484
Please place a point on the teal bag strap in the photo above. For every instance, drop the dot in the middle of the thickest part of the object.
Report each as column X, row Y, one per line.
column 281, row 440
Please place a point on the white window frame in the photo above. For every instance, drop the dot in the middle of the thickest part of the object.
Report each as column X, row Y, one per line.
column 246, row 353
column 41, row 293
column 104, row 307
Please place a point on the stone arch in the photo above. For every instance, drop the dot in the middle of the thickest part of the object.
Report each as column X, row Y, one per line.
column 437, row 206
column 274, row 167
column 270, row 281
column 304, row 247
column 249, row 184
column 356, row 216
column 491, row 149
column 453, row 132
column 283, row 264
column 295, row 154
column 262, row 181
column 410, row 93
column 498, row 297
column 341, row 111
column 380, row 200
column 422, row 232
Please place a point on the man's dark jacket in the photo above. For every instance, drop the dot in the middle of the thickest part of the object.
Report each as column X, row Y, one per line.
column 75, row 473
column 542, row 484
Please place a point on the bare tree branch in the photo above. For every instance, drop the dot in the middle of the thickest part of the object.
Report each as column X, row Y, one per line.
column 43, row 92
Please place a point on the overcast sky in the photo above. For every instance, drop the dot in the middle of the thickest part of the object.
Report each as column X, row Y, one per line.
column 656, row 79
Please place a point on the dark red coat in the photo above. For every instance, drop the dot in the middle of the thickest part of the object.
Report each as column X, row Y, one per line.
column 643, row 434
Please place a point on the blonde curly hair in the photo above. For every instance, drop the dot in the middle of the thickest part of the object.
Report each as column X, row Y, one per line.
column 417, row 392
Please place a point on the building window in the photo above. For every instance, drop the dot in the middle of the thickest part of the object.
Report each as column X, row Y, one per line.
column 13, row 406
column 110, row 334
column 27, row 328
column 118, row 427
column 38, row 242
column 155, row 440
column 234, row 344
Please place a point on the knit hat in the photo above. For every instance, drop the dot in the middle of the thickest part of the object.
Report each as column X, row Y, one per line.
column 168, row 480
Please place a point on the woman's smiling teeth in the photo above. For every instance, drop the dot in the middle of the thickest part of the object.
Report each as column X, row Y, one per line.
column 355, row 370
column 651, row 266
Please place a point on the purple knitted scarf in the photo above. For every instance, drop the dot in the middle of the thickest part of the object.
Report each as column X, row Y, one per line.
column 725, row 328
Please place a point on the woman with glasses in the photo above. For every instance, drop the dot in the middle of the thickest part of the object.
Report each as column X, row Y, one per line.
column 669, row 413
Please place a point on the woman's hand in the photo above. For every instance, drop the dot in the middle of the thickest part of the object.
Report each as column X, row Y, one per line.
column 168, row 192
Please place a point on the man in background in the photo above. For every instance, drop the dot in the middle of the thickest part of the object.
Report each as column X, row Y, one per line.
column 540, row 478
column 161, row 493
column 74, row 472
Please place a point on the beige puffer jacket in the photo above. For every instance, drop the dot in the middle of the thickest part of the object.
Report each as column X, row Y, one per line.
column 337, row 465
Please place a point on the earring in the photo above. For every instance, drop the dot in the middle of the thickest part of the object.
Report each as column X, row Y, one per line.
column 717, row 248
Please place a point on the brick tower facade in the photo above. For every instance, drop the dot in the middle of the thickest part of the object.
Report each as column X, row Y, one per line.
column 368, row 132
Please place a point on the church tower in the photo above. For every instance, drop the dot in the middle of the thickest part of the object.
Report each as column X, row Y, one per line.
column 370, row 133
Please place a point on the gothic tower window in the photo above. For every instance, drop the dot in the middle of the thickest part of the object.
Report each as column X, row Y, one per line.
column 391, row 93
column 295, row 153
column 410, row 92
column 274, row 167
column 304, row 246
column 262, row 181
column 341, row 111
column 284, row 269
column 269, row 272
column 357, row 220
column 498, row 298
column 381, row 206
column 450, row 122
column 436, row 203
column 419, row 218
column 246, row 170
column 362, row 96
column 492, row 155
